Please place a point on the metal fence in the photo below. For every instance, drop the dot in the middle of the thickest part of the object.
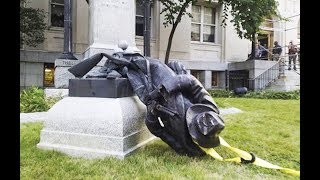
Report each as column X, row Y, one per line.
column 264, row 79
column 238, row 79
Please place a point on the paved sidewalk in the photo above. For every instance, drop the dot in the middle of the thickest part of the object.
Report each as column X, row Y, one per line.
column 231, row 110
column 41, row 116
column 33, row 117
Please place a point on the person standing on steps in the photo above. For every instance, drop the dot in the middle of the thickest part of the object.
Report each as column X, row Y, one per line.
column 292, row 55
column 276, row 51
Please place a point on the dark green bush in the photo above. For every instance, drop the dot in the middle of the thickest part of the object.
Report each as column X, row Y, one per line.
column 33, row 100
column 267, row 94
column 273, row 94
column 221, row 93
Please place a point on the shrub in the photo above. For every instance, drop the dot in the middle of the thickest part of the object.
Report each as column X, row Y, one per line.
column 274, row 94
column 221, row 93
column 33, row 99
column 52, row 100
column 267, row 94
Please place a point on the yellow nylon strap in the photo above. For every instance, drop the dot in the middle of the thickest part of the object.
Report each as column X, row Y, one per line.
column 247, row 156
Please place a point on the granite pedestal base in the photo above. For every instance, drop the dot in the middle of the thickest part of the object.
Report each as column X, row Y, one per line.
column 61, row 73
column 92, row 127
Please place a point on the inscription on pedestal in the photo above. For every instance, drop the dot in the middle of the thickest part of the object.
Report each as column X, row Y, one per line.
column 116, row 4
column 65, row 62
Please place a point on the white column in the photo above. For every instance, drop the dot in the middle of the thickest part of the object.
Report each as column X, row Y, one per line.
column 111, row 21
column 206, row 78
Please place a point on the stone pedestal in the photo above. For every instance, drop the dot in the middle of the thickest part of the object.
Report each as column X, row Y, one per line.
column 92, row 127
column 110, row 22
column 100, row 117
column 61, row 73
column 55, row 93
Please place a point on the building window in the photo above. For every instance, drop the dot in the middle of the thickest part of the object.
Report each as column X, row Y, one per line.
column 57, row 13
column 195, row 73
column 203, row 24
column 48, row 75
column 214, row 79
column 140, row 18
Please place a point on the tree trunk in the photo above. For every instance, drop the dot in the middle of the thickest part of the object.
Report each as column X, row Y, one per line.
column 253, row 47
column 174, row 26
column 166, row 60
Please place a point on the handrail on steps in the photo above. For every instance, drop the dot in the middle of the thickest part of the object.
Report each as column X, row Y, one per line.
column 265, row 79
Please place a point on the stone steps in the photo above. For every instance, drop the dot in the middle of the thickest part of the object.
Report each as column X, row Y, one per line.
column 288, row 82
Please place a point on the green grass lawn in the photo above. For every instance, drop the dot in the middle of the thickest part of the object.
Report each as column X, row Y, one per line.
column 268, row 128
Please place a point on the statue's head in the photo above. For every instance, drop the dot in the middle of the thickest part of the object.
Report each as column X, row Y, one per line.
column 204, row 125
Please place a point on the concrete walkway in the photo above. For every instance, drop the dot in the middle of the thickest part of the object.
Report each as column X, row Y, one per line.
column 41, row 116
column 231, row 110
column 33, row 117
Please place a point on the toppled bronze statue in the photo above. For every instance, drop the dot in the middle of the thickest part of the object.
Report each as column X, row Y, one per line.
column 179, row 110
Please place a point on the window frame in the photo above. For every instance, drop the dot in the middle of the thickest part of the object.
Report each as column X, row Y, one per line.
column 142, row 16
column 49, row 17
column 196, row 73
column 214, row 74
column 202, row 24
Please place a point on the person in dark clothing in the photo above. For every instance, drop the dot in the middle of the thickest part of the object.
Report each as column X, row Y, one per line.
column 264, row 52
column 292, row 55
column 276, row 51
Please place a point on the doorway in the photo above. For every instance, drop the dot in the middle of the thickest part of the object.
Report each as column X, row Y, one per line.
column 48, row 78
column 265, row 38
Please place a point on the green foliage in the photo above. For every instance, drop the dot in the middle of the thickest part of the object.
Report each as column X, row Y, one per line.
column 255, row 130
column 174, row 10
column 267, row 94
column 248, row 15
column 32, row 25
column 221, row 93
column 52, row 101
column 33, row 100
column 273, row 94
